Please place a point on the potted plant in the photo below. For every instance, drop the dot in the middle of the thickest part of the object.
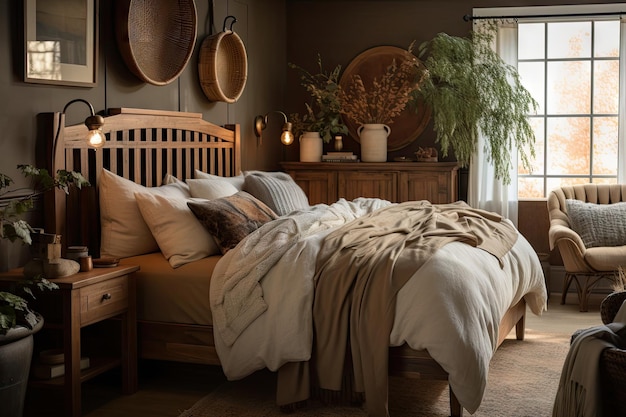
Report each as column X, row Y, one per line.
column 472, row 91
column 376, row 105
column 322, row 119
column 18, row 322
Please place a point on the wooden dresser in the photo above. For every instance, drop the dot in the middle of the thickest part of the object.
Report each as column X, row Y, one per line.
column 326, row 182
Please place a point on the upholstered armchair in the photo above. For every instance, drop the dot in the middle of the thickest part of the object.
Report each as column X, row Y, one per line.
column 590, row 232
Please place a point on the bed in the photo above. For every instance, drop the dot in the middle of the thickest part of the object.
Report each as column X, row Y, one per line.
column 148, row 148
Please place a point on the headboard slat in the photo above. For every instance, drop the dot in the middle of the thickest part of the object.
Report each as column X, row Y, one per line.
column 142, row 146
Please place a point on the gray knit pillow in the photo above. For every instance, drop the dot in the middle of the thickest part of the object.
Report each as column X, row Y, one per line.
column 276, row 189
column 598, row 224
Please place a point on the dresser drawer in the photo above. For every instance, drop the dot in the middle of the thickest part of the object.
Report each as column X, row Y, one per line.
column 103, row 300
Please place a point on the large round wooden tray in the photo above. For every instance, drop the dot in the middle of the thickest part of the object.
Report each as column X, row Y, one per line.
column 371, row 64
column 156, row 37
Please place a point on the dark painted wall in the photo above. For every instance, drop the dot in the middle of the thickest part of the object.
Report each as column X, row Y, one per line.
column 339, row 30
column 275, row 32
column 261, row 25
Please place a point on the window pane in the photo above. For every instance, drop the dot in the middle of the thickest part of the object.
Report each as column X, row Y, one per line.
column 605, row 145
column 606, row 42
column 569, row 87
column 604, row 181
column 530, row 188
column 568, row 146
column 553, row 183
column 538, row 167
column 532, row 75
column 531, row 41
column 569, row 40
column 606, row 87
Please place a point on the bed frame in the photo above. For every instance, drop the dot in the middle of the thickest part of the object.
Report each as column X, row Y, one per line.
column 144, row 145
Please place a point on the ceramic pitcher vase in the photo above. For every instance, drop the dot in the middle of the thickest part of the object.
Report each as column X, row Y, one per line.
column 311, row 147
column 373, row 138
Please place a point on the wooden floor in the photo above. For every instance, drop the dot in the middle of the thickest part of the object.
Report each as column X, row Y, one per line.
column 166, row 389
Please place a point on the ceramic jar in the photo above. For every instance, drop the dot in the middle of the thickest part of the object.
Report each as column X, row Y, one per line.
column 311, row 147
column 373, row 138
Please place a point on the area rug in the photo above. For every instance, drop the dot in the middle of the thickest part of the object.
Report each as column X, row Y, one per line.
column 523, row 378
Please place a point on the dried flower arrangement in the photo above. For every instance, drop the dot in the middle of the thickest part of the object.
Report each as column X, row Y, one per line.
column 323, row 115
column 386, row 97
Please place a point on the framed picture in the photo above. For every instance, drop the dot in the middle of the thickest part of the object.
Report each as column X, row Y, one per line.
column 61, row 42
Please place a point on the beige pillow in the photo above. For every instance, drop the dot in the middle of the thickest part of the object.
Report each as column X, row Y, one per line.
column 124, row 233
column 235, row 181
column 210, row 189
column 232, row 218
column 181, row 237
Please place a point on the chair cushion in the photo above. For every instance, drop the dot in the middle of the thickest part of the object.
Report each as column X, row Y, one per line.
column 606, row 258
column 598, row 224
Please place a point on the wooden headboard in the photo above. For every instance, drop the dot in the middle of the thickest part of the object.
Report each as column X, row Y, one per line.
column 142, row 146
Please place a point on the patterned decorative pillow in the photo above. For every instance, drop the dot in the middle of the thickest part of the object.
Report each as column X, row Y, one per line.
column 232, row 218
column 598, row 224
column 276, row 189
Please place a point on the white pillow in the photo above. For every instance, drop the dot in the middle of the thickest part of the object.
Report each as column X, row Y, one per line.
column 124, row 233
column 210, row 189
column 236, row 181
column 180, row 235
column 170, row 179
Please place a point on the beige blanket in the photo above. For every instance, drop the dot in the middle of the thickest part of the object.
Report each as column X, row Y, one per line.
column 361, row 267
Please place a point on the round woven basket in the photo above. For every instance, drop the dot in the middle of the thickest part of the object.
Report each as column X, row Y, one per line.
column 223, row 66
column 156, row 37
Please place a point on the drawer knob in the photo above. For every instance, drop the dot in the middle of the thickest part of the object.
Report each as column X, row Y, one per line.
column 106, row 296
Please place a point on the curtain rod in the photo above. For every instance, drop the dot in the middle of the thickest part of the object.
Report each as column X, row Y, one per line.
column 468, row 17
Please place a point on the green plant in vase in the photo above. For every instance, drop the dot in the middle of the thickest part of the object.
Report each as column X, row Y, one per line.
column 472, row 91
column 323, row 113
column 14, row 308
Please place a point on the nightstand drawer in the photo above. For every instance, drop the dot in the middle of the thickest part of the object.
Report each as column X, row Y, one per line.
column 103, row 300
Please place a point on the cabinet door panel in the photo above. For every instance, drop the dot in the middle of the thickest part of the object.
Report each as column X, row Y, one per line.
column 319, row 186
column 368, row 184
column 436, row 187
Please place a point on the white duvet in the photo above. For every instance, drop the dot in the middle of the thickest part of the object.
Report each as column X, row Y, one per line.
column 262, row 293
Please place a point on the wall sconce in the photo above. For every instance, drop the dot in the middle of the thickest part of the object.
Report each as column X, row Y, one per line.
column 260, row 123
column 95, row 137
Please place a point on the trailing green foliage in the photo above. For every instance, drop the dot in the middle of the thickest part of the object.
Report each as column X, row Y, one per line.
column 14, row 308
column 472, row 91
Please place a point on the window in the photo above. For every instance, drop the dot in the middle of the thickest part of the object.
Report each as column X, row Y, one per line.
column 568, row 57
column 572, row 70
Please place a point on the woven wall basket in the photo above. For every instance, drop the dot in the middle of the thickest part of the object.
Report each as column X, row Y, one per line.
column 156, row 37
column 223, row 66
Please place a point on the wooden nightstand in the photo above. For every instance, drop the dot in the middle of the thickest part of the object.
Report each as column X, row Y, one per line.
column 83, row 299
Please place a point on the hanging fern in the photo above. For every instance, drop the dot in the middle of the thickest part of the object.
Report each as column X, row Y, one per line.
column 472, row 91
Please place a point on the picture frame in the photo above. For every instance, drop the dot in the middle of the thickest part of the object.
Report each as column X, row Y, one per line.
column 61, row 42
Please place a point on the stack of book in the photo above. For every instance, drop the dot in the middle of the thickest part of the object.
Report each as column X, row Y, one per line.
column 42, row 370
column 339, row 157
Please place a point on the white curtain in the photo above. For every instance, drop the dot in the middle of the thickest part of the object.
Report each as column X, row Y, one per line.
column 484, row 191
column 621, row 150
